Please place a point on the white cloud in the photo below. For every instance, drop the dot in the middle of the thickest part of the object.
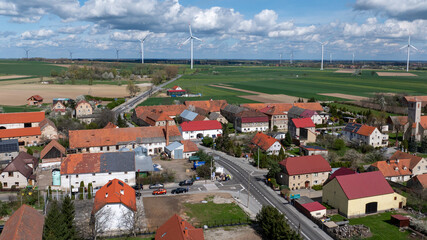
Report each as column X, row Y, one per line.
column 38, row 34
column 404, row 10
column 73, row 30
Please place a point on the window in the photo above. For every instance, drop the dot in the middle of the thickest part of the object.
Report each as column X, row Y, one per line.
column 5, row 184
column 315, row 181
column 294, row 177
column 117, row 147
column 87, row 149
column 93, row 174
column 10, row 174
column 77, row 176
column 17, row 184
column 316, row 174
column 108, row 148
column 126, row 180
column 306, row 176
column 395, row 198
column 126, row 172
column 66, row 176
column 299, row 177
column 109, row 173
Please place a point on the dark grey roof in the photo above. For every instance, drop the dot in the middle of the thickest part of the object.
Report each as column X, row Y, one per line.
column 296, row 111
column 117, row 162
column 143, row 162
column 10, row 145
column 187, row 114
column 233, row 109
column 352, row 127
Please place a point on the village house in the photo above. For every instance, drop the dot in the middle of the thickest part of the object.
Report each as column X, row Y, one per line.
column 9, row 149
column 48, row 129
column 114, row 208
column 302, row 130
column 157, row 119
column 315, row 106
column 26, row 136
column 154, row 139
column 190, row 148
column 251, row 121
column 306, row 150
column 176, row 91
column 418, row 182
column 19, row 172
column 218, row 117
column 177, row 228
column 355, row 195
column 200, row 129
column 364, row 134
column 52, row 154
column 277, row 113
column 209, row 106
column 230, row 112
column 59, row 107
column 303, row 172
column 175, row 150
column 297, row 112
column 140, row 112
column 84, row 112
column 35, row 100
column 417, row 165
column 20, row 120
column 417, row 123
column 188, row 115
column 393, row 170
column 310, row 208
column 24, row 223
column 267, row 143
column 97, row 168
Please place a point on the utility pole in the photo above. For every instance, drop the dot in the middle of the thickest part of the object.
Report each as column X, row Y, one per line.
column 258, row 157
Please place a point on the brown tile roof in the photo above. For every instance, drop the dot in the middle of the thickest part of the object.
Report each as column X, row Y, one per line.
column 269, row 108
column 20, row 164
column 53, row 144
column 394, row 168
column 402, row 155
column 110, row 125
column 36, row 97
column 189, row 146
column 263, row 141
column 423, row 122
column 115, row 191
column 417, row 98
column 305, row 164
column 117, row 136
column 81, row 163
column 25, row 223
column 45, row 123
column 315, row 106
column 20, row 132
column 23, row 117
column 81, row 102
column 170, row 110
column 366, row 130
column 209, row 105
column 177, row 228
column 422, row 179
column 199, row 118
column 152, row 117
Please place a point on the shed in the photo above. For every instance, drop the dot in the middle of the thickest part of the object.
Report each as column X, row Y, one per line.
column 399, row 220
column 175, row 150
column 143, row 162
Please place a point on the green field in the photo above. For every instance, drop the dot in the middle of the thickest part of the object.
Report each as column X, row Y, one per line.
column 299, row 82
column 211, row 212
column 24, row 108
column 31, row 68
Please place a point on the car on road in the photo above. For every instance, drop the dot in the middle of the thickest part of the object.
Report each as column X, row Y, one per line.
column 138, row 194
column 138, row 187
column 179, row 190
column 156, row 185
column 186, row 182
column 159, row 191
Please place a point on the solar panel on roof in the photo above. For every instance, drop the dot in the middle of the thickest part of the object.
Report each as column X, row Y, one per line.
column 121, row 184
column 109, row 184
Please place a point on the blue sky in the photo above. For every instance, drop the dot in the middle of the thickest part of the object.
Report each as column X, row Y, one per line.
column 230, row 29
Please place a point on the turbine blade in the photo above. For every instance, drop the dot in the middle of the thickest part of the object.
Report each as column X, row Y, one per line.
column 185, row 42
column 198, row 39
column 413, row 47
column 404, row 47
column 189, row 27
column 145, row 37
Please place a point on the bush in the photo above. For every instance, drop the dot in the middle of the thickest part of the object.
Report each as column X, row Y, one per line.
column 317, row 187
column 81, row 189
column 339, row 144
column 30, row 151
column 89, row 191
column 207, row 141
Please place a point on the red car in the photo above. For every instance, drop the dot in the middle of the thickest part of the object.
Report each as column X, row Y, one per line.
column 159, row 191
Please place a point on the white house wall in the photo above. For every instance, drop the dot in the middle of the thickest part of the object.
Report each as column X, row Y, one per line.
column 16, row 178
column 190, row 135
column 97, row 179
column 113, row 218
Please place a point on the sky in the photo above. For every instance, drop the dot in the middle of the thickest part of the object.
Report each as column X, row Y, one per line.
column 229, row 29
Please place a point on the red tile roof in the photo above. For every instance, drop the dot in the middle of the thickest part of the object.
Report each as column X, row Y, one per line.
column 402, row 155
column 366, row 130
column 303, row 122
column 308, row 113
column 170, row 110
column 422, row 179
column 46, row 122
column 315, row 106
column 110, row 125
column 416, row 98
column 36, row 97
column 269, row 108
column 263, row 141
column 200, row 125
column 209, row 105
column 116, row 136
column 20, row 132
column 115, row 191
column 341, row 171
column 393, row 168
column 305, row 164
column 25, row 223
column 423, row 122
column 81, row 163
column 23, row 117
column 177, row 228
column 189, row 146
column 252, row 116
column 363, row 185
column 313, row 206
column 53, row 144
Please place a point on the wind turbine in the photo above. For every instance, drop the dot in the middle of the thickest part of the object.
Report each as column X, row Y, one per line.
column 352, row 61
column 409, row 46
column 71, row 55
column 142, row 47
column 117, row 54
column 323, row 44
column 292, row 57
column 330, row 57
column 280, row 58
column 26, row 52
column 190, row 38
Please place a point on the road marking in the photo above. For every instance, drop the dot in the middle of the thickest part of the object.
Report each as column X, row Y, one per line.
column 221, row 184
column 200, row 189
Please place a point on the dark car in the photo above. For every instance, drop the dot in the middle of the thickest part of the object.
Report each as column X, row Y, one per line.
column 138, row 187
column 138, row 194
column 179, row 190
column 186, row 182
column 156, row 185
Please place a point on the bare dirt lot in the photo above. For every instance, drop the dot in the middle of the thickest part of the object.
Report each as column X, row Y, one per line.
column 396, row 74
column 345, row 71
column 178, row 166
column 17, row 94
column 158, row 209
column 13, row 76
column 346, row 96
column 235, row 233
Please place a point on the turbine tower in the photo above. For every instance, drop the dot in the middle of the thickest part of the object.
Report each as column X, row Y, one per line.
column 330, row 57
column 71, row 55
column 352, row 61
column 323, row 44
column 409, row 46
column 26, row 52
column 280, row 58
column 142, row 47
column 190, row 38
column 292, row 57
column 117, row 54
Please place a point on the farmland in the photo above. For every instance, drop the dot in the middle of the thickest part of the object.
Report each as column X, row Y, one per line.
column 27, row 68
column 298, row 82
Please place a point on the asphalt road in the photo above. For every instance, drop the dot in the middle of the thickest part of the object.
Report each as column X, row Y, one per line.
column 128, row 105
column 264, row 196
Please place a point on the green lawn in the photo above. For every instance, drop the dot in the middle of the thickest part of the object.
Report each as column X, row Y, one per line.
column 211, row 212
column 357, row 109
column 337, row 218
column 32, row 68
column 380, row 226
column 23, row 108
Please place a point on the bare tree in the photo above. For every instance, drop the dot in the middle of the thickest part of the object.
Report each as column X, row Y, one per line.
column 100, row 222
column 132, row 88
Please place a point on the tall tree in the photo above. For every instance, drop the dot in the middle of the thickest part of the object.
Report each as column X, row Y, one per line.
column 132, row 88
column 274, row 226
column 54, row 226
column 68, row 212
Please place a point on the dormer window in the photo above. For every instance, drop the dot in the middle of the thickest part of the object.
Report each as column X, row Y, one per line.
column 396, row 168
column 106, row 195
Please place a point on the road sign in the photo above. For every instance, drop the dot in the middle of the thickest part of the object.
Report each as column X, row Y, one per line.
column 295, row 196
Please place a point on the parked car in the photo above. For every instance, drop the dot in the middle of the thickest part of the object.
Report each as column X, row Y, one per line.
column 186, row 182
column 156, row 185
column 159, row 191
column 179, row 190
column 138, row 187
column 138, row 194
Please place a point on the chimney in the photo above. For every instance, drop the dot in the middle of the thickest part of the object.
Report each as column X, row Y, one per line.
column 167, row 134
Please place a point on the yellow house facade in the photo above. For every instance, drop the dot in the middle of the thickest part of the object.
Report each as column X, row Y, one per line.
column 359, row 194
